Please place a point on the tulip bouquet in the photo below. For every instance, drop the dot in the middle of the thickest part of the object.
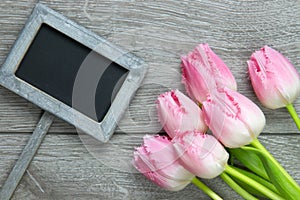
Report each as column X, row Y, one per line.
column 230, row 149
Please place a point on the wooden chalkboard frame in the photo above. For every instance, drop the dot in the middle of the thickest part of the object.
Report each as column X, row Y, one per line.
column 103, row 130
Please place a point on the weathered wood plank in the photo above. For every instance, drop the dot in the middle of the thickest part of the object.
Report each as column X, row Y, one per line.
column 26, row 156
column 159, row 32
column 64, row 169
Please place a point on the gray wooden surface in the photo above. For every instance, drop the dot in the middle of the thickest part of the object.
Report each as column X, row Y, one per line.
column 159, row 32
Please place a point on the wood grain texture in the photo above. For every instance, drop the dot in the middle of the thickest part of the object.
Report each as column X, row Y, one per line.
column 159, row 32
column 64, row 169
column 26, row 156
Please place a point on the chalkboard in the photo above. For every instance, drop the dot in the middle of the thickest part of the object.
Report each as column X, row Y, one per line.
column 72, row 73
column 52, row 62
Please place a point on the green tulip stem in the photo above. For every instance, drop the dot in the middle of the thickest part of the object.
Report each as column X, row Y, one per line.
column 259, row 187
column 293, row 114
column 255, row 143
column 206, row 189
column 246, row 195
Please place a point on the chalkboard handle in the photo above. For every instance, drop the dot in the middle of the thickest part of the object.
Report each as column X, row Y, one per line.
column 27, row 155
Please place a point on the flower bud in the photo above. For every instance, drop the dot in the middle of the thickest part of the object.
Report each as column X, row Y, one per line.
column 275, row 80
column 233, row 118
column 158, row 161
column 203, row 71
column 176, row 111
column 201, row 154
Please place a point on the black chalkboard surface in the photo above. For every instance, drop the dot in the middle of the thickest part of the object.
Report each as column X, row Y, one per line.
column 59, row 66
column 51, row 65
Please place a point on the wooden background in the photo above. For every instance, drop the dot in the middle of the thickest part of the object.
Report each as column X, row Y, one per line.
column 71, row 167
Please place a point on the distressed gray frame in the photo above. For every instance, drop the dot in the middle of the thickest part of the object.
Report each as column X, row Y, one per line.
column 137, row 68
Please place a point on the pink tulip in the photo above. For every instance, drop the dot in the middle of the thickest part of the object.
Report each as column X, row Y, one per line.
column 201, row 154
column 233, row 118
column 158, row 161
column 176, row 111
column 275, row 80
column 203, row 71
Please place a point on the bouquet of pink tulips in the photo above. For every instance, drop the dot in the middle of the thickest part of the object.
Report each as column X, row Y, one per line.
column 190, row 152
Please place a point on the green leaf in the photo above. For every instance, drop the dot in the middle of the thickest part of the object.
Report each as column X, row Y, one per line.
column 249, row 189
column 257, row 179
column 251, row 182
column 245, row 193
column 251, row 160
column 284, row 183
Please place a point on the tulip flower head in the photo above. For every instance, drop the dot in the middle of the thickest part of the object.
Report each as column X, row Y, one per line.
column 158, row 161
column 203, row 71
column 201, row 154
column 233, row 118
column 275, row 80
column 176, row 111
